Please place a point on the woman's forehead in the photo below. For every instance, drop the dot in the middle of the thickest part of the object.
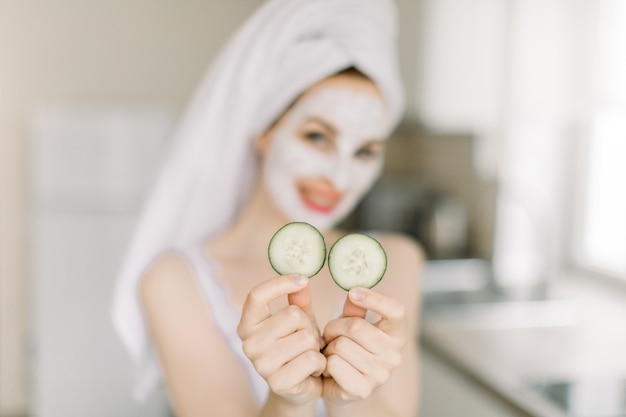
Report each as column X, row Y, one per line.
column 343, row 107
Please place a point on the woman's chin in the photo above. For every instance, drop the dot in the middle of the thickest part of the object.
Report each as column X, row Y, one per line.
column 322, row 221
column 325, row 221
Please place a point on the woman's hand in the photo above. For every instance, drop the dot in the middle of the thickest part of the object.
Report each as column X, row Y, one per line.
column 360, row 356
column 284, row 347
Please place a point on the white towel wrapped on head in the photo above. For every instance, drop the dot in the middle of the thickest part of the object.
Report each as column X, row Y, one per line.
column 285, row 47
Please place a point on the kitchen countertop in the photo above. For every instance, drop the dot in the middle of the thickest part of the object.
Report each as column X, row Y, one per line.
column 518, row 350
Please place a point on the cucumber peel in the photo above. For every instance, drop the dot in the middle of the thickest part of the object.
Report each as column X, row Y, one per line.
column 297, row 248
column 354, row 260
column 357, row 260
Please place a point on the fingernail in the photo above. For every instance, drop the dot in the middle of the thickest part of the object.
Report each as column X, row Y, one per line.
column 357, row 294
column 299, row 280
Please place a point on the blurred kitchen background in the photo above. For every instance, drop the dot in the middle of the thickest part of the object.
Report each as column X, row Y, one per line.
column 509, row 168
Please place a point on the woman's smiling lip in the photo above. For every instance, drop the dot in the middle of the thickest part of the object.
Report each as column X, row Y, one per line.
column 319, row 199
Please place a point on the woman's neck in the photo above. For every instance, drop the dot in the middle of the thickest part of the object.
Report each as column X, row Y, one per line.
column 250, row 234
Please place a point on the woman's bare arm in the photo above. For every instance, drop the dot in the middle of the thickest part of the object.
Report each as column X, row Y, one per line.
column 203, row 376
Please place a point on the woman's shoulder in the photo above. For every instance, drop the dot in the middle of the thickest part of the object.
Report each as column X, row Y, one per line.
column 403, row 251
column 170, row 294
column 405, row 259
column 400, row 245
column 168, row 270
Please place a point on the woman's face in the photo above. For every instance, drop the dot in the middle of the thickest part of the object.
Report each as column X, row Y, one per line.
column 325, row 153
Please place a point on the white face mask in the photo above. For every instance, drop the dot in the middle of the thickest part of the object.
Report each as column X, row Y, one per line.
column 319, row 162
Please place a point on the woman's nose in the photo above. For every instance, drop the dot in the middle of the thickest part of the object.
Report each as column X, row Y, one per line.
column 341, row 175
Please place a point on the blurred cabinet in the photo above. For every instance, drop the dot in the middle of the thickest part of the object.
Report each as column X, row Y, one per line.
column 448, row 393
column 431, row 189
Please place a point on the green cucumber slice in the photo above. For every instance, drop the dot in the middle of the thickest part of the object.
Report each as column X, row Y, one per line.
column 357, row 260
column 297, row 248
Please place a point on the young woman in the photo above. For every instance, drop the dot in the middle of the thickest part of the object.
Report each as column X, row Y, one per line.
column 309, row 89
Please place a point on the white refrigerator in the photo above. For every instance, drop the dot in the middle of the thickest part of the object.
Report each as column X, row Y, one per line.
column 91, row 167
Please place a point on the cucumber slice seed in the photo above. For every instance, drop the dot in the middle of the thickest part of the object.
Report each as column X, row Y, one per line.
column 297, row 248
column 357, row 260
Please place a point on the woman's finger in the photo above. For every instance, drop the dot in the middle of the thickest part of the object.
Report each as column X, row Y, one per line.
column 352, row 310
column 288, row 321
column 283, row 351
column 256, row 308
column 393, row 312
column 375, row 367
column 302, row 299
column 370, row 337
column 297, row 371
column 349, row 379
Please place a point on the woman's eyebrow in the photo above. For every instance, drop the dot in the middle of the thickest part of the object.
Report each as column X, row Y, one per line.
column 328, row 126
column 373, row 142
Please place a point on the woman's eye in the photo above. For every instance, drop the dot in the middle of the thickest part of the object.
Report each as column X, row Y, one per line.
column 315, row 137
column 367, row 153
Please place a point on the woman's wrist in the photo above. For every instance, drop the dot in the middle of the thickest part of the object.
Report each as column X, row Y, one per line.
column 278, row 406
column 371, row 406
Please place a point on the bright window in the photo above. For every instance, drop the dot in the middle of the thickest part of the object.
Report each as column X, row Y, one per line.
column 601, row 237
